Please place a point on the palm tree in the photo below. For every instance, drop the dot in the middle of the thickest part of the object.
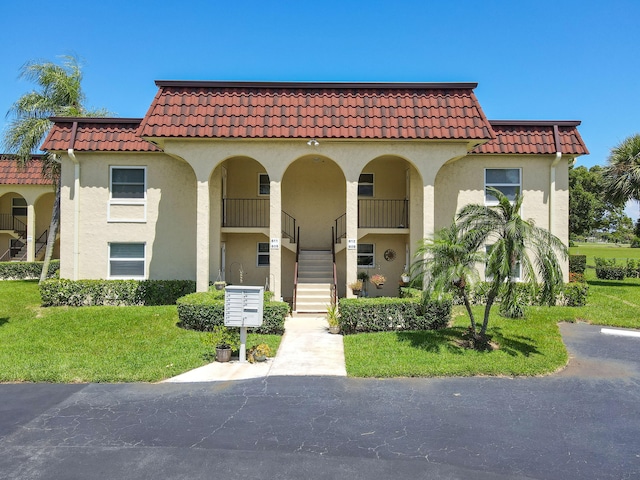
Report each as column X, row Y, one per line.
column 449, row 263
column 512, row 240
column 59, row 94
column 622, row 174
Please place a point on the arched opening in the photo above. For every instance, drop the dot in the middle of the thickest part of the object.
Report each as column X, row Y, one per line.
column 44, row 209
column 13, row 227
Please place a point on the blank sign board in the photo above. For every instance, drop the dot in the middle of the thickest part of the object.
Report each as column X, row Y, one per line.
column 243, row 306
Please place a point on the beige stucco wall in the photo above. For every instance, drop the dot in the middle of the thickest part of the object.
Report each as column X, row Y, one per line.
column 391, row 269
column 169, row 229
column 241, row 253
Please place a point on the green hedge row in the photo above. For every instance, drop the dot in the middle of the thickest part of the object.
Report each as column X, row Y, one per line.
column 527, row 295
column 62, row 292
column 577, row 263
column 27, row 270
column 359, row 315
column 609, row 269
column 204, row 310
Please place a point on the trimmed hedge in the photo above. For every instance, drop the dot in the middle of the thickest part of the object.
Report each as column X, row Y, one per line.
column 27, row 270
column 358, row 315
column 205, row 310
column 577, row 263
column 79, row 293
column 607, row 269
column 527, row 295
column 575, row 294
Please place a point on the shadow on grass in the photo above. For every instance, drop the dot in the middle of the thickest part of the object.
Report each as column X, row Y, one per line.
column 4, row 320
column 451, row 339
column 612, row 283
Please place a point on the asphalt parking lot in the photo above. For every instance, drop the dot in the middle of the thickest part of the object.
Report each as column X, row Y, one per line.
column 581, row 423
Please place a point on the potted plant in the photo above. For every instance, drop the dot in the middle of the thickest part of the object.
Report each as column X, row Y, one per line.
column 356, row 287
column 224, row 340
column 258, row 353
column 378, row 280
column 333, row 318
column 219, row 285
column 405, row 277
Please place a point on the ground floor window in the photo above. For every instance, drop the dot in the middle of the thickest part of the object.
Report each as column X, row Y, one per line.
column 515, row 273
column 366, row 255
column 263, row 254
column 126, row 260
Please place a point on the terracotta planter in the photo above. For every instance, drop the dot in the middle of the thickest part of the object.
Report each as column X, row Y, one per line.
column 223, row 354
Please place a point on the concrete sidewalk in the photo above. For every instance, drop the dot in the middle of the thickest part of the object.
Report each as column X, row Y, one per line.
column 307, row 348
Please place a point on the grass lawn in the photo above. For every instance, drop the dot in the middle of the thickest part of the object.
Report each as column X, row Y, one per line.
column 94, row 344
column 527, row 347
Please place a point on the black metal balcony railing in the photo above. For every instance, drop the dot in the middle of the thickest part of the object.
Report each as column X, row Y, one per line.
column 10, row 222
column 288, row 226
column 383, row 213
column 245, row 212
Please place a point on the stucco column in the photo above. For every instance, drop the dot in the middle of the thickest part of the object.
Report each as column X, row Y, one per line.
column 31, row 232
column 352, row 234
column 215, row 198
column 202, row 236
column 416, row 212
column 428, row 211
column 275, row 234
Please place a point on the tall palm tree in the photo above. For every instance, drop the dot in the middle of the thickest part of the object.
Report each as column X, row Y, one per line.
column 449, row 263
column 512, row 240
column 59, row 93
column 622, row 173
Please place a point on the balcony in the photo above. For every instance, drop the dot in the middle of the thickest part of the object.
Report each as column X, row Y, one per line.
column 245, row 212
column 376, row 214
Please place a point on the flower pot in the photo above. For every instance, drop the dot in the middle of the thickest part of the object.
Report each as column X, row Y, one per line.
column 405, row 278
column 219, row 286
column 259, row 358
column 356, row 292
column 223, row 354
column 379, row 285
column 334, row 329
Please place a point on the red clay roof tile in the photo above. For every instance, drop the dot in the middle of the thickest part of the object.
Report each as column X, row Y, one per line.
column 323, row 110
column 11, row 173
column 533, row 137
column 96, row 134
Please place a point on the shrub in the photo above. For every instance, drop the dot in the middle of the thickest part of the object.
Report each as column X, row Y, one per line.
column 577, row 263
column 392, row 314
column 62, row 292
column 27, row 270
column 606, row 269
column 635, row 243
column 575, row 294
column 632, row 269
column 203, row 311
column 576, row 277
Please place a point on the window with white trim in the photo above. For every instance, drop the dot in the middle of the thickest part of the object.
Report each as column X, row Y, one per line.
column 128, row 183
column 515, row 273
column 507, row 180
column 18, row 207
column 263, row 254
column 126, row 260
column 365, row 185
column 366, row 255
column 264, row 184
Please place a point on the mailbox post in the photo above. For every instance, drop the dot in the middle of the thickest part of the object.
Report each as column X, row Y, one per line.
column 243, row 307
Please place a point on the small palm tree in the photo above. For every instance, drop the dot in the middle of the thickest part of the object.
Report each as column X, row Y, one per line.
column 59, row 94
column 622, row 174
column 449, row 263
column 513, row 240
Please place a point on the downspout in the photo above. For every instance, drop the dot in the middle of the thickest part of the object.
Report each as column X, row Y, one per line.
column 76, row 201
column 552, row 176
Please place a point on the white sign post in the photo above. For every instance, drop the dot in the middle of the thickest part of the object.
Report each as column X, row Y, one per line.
column 243, row 307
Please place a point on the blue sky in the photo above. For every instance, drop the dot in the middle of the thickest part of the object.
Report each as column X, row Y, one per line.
column 538, row 60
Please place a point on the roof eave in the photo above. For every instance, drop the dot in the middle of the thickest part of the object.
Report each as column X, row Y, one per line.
column 321, row 85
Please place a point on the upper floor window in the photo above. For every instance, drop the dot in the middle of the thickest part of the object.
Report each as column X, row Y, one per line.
column 264, row 185
column 18, row 207
column 128, row 182
column 507, row 180
column 365, row 185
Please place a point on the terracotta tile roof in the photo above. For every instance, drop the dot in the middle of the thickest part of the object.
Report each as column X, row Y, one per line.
column 315, row 110
column 97, row 134
column 534, row 137
column 13, row 174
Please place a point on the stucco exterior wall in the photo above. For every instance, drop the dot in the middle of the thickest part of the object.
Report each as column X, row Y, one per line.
column 241, row 254
column 391, row 269
column 169, row 229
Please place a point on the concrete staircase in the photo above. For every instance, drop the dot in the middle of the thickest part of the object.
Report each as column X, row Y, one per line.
column 315, row 277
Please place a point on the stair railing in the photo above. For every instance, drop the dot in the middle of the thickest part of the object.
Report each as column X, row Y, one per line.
column 41, row 242
column 334, row 285
column 6, row 256
column 340, row 228
column 288, row 226
column 295, row 272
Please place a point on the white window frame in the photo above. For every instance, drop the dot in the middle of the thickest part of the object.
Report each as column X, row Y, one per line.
column 127, row 277
column 488, row 278
column 14, row 207
column 498, row 185
column 127, row 201
column 263, row 254
column 371, row 254
column 268, row 184
column 372, row 184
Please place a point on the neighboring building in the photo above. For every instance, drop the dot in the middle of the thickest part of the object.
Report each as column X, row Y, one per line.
column 237, row 180
column 26, row 203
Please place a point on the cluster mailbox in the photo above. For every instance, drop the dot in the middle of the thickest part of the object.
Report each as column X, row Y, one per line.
column 243, row 306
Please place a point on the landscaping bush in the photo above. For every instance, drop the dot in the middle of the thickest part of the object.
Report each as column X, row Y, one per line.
column 577, row 263
column 632, row 269
column 607, row 269
column 576, row 277
column 575, row 294
column 78, row 293
column 392, row 314
column 635, row 243
column 26, row 270
column 203, row 311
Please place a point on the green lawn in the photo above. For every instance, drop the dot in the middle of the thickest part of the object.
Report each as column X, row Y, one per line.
column 94, row 344
column 527, row 347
